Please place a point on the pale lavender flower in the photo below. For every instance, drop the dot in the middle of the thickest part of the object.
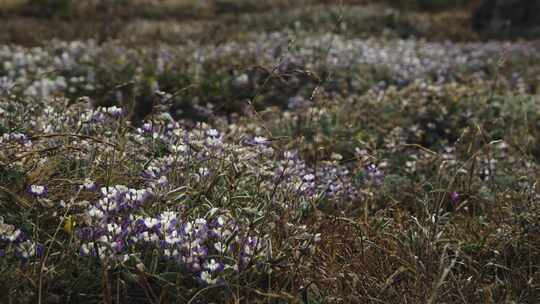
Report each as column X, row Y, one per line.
column 454, row 196
column 37, row 190
column 114, row 111
column 259, row 140
column 88, row 185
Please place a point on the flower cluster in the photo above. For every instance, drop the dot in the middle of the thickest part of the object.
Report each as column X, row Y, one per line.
column 231, row 198
column 396, row 62
column 15, row 137
column 13, row 239
column 200, row 199
column 117, row 228
column 329, row 179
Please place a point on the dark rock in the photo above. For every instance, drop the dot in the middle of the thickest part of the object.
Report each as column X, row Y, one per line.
column 497, row 15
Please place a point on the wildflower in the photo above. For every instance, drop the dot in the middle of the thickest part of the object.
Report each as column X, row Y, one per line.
column 114, row 111
column 309, row 177
column 454, row 196
column 88, row 185
column 259, row 140
column 162, row 181
column 150, row 222
column 242, row 80
column 172, row 238
column 86, row 248
column 69, row 224
column 95, row 212
column 297, row 102
column 195, row 266
column 219, row 247
column 146, row 128
column 97, row 117
column 289, row 155
column 220, row 221
column 26, row 249
column 213, row 266
column 375, row 174
column 16, row 137
column 14, row 236
column 179, row 148
column 37, row 190
column 207, row 278
column 40, row 250
column 212, row 133
column 203, row 171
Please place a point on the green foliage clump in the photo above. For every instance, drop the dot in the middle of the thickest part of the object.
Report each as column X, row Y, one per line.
column 51, row 8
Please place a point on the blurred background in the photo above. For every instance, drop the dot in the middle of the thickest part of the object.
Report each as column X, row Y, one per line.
column 30, row 22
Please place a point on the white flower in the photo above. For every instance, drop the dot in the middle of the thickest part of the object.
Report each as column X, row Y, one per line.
column 219, row 247
column 260, row 140
column 203, row 171
column 14, row 235
column 212, row 266
column 88, row 185
column 221, row 220
column 180, row 148
column 242, row 79
column 95, row 212
column 27, row 249
column 85, row 248
column 309, row 177
column 162, row 181
column 200, row 222
column 212, row 133
column 37, row 190
column 207, row 277
column 150, row 222
column 172, row 238
column 114, row 111
column 188, row 228
column 114, row 228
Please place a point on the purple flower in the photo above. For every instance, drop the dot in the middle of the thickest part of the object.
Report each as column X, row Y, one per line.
column 454, row 196
column 88, row 185
column 40, row 250
column 297, row 102
column 37, row 190
column 147, row 127
column 85, row 233
column 119, row 246
column 114, row 111
column 213, row 266
column 162, row 181
column 375, row 174
column 97, row 117
column 17, row 137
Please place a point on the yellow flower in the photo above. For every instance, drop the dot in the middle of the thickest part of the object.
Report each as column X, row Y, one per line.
column 69, row 224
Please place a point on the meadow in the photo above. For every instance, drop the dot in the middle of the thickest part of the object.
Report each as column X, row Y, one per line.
column 283, row 152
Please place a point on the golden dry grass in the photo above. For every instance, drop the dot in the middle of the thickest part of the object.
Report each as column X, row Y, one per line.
column 9, row 4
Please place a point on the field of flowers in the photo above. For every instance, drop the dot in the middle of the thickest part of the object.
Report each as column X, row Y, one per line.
column 281, row 166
